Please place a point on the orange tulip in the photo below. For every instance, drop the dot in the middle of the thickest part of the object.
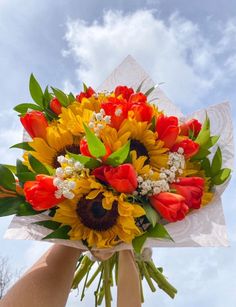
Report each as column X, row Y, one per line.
column 41, row 193
column 35, row 123
column 171, row 207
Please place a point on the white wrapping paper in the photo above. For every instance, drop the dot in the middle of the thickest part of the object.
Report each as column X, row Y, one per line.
column 204, row 227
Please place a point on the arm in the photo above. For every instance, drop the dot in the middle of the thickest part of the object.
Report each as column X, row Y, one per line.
column 47, row 283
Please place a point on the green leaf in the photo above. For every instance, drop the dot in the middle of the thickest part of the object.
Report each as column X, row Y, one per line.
column 118, row 157
column 206, row 166
column 25, row 209
column 138, row 242
column 159, row 231
column 49, row 224
column 47, row 97
column 62, row 97
column 212, row 141
column 37, row 166
column 203, row 137
column 202, row 153
column 88, row 162
column 20, row 167
column 140, row 86
column 12, row 168
column 71, row 98
column 36, row 91
column 85, row 88
column 95, row 145
column 148, row 92
column 216, row 162
column 153, row 125
column 23, row 107
column 26, row 176
column 151, row 214
column 23, row 145
column 50, row 115
column 7, row 179
column 222, row 176
column 9, row 205
column 60, row 233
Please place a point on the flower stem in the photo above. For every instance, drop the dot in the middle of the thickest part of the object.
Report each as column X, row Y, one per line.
column 147, row 276
column 86, row 278
column 96, row 293
column 95, row 274
column 81, row 271
column 107, row 283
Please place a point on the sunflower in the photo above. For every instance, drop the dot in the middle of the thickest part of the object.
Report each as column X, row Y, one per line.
column 57, row 142
column 142, row 140
column 100, row 217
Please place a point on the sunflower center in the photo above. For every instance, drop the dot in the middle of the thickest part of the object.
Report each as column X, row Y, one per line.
column 140, row 149
column 94, row 216
column 74, row 148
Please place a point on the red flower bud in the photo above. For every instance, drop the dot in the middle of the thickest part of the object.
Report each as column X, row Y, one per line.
column 191, row 188
column 122, row 178
column 89, row 92
column 167, row 129
column 41, row 193
column 35, row 123
column 171, row 207
column 190, row 148
column 191, row 125
column 124, row 91
column 55, row 106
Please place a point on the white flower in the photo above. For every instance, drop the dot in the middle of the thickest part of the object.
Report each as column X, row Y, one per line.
column 58, row 194
column 59, row 172
column 98, row 116
column 100, row 126
column 107, row 119
column 68, row 170
column 78, row 166
column 61, row 159
column 57, row 182
column 91, row 125
column 71, row 184
column 102, row 112
column 68, row 194
column 180, row 150
column 118, row 112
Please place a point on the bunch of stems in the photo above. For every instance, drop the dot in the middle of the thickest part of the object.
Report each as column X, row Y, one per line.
column 106, row 274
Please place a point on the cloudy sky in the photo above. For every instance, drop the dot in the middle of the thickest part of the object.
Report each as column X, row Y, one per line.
column 191, row 46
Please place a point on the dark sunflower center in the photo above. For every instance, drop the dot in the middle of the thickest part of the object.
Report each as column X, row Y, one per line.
column 94, row 216
column 74, row 148
column 140, row 149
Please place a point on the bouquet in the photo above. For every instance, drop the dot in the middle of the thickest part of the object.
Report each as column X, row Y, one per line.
column 110, row 170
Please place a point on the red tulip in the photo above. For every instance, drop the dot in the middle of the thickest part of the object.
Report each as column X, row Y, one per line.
column 89, row 92
column 190, row 148
column 137, row 98
column 167, row 129
column 171, row 207
column 142, row 112
column 192, row 125
column 41, row 193
column 191, row 188
column 35, row 123
column 124, row 91
column 55, row 106
column 117, row 109
column 122, row 178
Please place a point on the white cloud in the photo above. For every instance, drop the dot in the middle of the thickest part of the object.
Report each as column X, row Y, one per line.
column 176, row 52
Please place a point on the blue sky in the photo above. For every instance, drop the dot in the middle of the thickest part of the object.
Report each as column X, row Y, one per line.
column 191, row 46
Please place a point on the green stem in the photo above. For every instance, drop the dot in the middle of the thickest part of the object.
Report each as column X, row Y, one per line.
column 161, row 280
column 107, row 283
column 147, row 276
column 86, row 278
column 116, row 269
column 80, row 273
column 94, row 275
column 141, row 288
column 96, row 293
